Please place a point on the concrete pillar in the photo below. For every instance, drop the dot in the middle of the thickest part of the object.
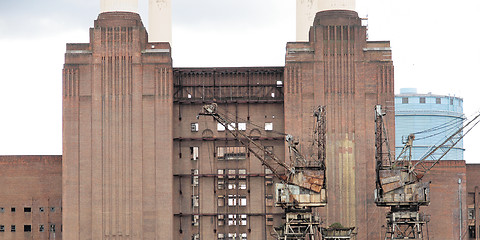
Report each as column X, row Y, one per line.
column 160, row 21
column 119, row 6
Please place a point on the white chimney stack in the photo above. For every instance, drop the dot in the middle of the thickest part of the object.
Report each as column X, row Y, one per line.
column 119, row 6
column 306, row 10
column 160, row 21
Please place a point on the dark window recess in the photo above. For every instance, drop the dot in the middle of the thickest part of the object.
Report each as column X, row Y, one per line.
column 52, row 209
column 2, row 228
column 13, row 209
column 41, row 209
column 438, row 100
column 2, row 210
column 422, row 100
column 13, row 228
column 27, row 228
column 27, row 209
column 471, row 232
column 41, row 228
column 52, row 227
column 404, row 100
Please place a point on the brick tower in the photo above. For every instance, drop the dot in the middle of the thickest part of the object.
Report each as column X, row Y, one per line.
column 117, row 134
column 340, row 69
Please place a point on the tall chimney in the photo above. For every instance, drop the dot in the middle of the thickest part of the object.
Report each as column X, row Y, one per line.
column 160, row 21
column 306, row 10
column 119, row 6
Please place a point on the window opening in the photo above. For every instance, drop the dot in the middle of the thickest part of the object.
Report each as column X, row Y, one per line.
column 194, row 127
column 194, row 153
column 268, row 126
column 27, row 228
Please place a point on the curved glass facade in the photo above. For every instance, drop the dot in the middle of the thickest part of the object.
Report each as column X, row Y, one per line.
column 432, row 118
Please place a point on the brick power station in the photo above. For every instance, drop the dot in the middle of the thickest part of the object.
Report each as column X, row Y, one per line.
column 139, row 162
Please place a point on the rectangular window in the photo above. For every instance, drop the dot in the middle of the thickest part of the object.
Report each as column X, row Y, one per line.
column 471, row 232
column 41, row 209
column 231, row 153
column 243, row 220
column 268, row 177
column 221, row 183
column 269, row 220
column 232, row 219
column 196, row 236
column 404, row 100
column 2, row 228
column 471, row 213
column 242, row 126
column 221, row 201
column 231, row 126
column 194, row 127
column 52, row 227
column 194, row 177
column 269, row 200
column 2, row 210
column 220, row 127
column 438, row 100
column 242, row 201
column 52, row 209
column 242, row 184
column 232, row 236
column 220, row 236
column 221, row 220
column 13, row 228
column 242, row 173
column 451, row 101
column 269, row 126
column 27, row 228
column 232, row 173
column 41, row 228
column 27, row 209
column 243, row 236
column 12, row 209
column 194, row 153
column 232, row 200
column 232, row 185
column 422, row 100
column 194, row 201
column 195, row 219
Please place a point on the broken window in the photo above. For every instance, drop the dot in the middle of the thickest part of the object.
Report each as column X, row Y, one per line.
column 195, row 219
column 194, row 153
column 232, row 219
column 2, row 228
column 242, row 126
column 268, row 126
column 52, row 227
column 231, row 153
column 27, row 228
column 27, row 209
column 196, row 236
column 41, row 209
column 221, row 220
column 41, row 228
column 194, row 127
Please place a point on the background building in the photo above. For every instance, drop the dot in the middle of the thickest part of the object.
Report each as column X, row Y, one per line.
column 432, row 118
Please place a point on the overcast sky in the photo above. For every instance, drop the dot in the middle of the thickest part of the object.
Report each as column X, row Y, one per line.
column 436, row 48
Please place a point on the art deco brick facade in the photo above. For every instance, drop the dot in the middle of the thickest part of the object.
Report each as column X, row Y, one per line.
column 117, row 134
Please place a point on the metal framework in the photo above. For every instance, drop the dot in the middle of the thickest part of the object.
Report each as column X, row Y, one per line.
column 399, row 185
column 302, row 186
